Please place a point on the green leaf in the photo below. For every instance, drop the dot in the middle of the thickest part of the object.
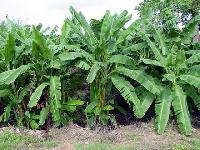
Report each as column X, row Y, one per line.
column 9, row 51
column 192, row 93
column 152, row 62
column 170, row 77
column 153, row 47
column 64, row 32
column 6, row 114
column 147, row 99
column 122, row 59
column 34, row 124
column 36, row 95
column 10, row 76
column 142, row 78
column 193, row 59
column 191, row 79
column 108, row 108
column 75, row 102
column 70, row 56
column 161, row 41
column 162, row 110
column 70, row 108
column 83, row 65
column 43, row 115
column 55, row 90
column 55, row 95
column 39, row 42
column 128, row 92
column 91, row 106
column 93, row 72
column 181, row 110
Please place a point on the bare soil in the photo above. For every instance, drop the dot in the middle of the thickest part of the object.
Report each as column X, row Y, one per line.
column 141, row 137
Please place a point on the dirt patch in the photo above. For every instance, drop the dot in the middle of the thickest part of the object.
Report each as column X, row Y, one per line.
column 140, row 137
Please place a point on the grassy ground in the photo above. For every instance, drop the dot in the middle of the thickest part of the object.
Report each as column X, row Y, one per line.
column 73, row 137
column 11, row 141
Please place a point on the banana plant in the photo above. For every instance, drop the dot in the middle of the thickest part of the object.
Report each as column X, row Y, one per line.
column 103, row 53
column 14, row 71
column 177, row 72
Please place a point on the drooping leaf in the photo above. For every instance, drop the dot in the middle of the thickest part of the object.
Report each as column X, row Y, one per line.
column 128, row 92
column 193, row 59
column 192, row 93
column 10, row 76
column 93, row 72
column 55, row 95
column 43, row 115
column 142, row 78
column 6, row 114
column 181, row 110
column 37, row 94
column 162, row 110
column 55, row 90
column 146, row 100
column 153, row 47
column 191, row 79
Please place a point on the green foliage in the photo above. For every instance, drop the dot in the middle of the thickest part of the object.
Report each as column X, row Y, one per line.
column 50, row 79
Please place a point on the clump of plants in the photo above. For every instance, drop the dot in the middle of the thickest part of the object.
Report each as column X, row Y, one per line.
column 52, row 79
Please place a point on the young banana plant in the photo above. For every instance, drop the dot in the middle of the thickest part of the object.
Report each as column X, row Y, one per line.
column 169, row 56
column 103, row 53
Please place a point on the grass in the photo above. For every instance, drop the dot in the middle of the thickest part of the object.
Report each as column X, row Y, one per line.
column 10, row 141
column 193, row 145
column 100, row 146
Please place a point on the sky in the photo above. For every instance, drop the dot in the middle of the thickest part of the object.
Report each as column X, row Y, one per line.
column 53, row 12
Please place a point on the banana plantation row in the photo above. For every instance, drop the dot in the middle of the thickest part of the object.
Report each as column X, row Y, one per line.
column 45, row 76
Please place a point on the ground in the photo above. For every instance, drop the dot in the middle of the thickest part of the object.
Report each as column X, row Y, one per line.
column 73, row 137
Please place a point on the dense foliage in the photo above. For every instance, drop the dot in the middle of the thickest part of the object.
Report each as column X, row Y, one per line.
column 51, row 79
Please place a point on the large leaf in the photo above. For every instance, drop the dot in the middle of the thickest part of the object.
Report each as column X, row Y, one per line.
column 122, row 59
column 192, row 93
column 70, row 56
column 142, row 78
column 9, row 51
column 55, row 90
column 181, row 110
column 40, row 42
column 64, row 32
column 128, row 92
column 190, row 30
column 37, row 94
column 55, row 95
column 152, row 62
column 43, row 115
column 147, row 99
column 161, row 41
column 93, row 72
column 191, row 79
column 10, row 76
column 153, row 47
column 162, row 110
column 194, row 59
column 89, row 34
